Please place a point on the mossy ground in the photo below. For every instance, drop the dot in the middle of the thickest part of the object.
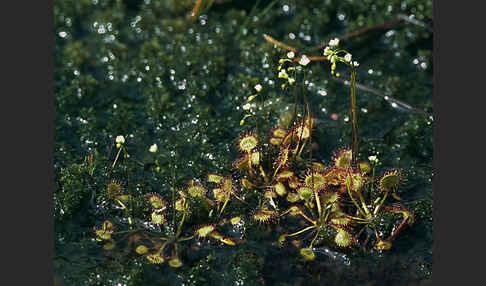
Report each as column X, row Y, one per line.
column 142, row 69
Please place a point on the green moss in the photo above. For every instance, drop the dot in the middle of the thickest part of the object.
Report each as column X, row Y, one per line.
column 145, row 70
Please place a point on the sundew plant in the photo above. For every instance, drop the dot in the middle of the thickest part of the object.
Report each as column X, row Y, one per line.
column 243, row 143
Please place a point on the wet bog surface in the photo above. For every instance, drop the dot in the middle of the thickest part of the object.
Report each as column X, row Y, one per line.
column 177, row 87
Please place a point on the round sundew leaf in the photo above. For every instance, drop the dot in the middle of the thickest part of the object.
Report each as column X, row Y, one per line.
column 248, row 143
column 175, row 262
column 305, row 193
column 293, row 197
column 197, row 191
column 270, row 194
column 329, row 197
column 228, row 241
column 316, row 179
column 141, row 249
column 275, row 141
column 158, row 218
column 214, row 178
column 235, row 220
column 389, row 180
column 156, row 201
column 155, row 258
column 383, row 245
column 179, row 204
column 205, row 230
column 343, row 159
column 264, row 215
column 284, row 175
column 302, row 131
column 343, row 238
column 255, row 158
column 279, row 132
column 280, row 189
column 307, row 253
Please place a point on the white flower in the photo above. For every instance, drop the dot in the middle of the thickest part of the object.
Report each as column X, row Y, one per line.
column 347, row 58
column 327, row 51
column 246, row 106
column 283, row 74
column 334, row 42
column 333, row 59
column 304, row 60
column 373, row 159
column 291, row 80
column 120, row 139
column 290, row 55
column 356, row 64
column 258, row 87
column 153, row 148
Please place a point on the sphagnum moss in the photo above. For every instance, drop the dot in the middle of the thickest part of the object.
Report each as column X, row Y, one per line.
column 274, row 181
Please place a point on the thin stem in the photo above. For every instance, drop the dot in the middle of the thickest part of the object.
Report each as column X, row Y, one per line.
column 302, row 230
column 354, row 202
column 262, row 172
column 195, row 10
column 385, row 25
column 363, row 204
column 315, row 237
column 126, row 231
column 116, row 158
column 179, row 229
column 399, row 228
column 185, row 238
column 173, row 192
column 354, row 117
column 318, row 201
column 307, row 218
column 247, row 20
column 378, row 207
column 296, row 94
column 361, row 220
column 162, row 248
column 224, row 205
column 271, row 40
column 301, row 148
column 373, row 180
column 131, row 211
